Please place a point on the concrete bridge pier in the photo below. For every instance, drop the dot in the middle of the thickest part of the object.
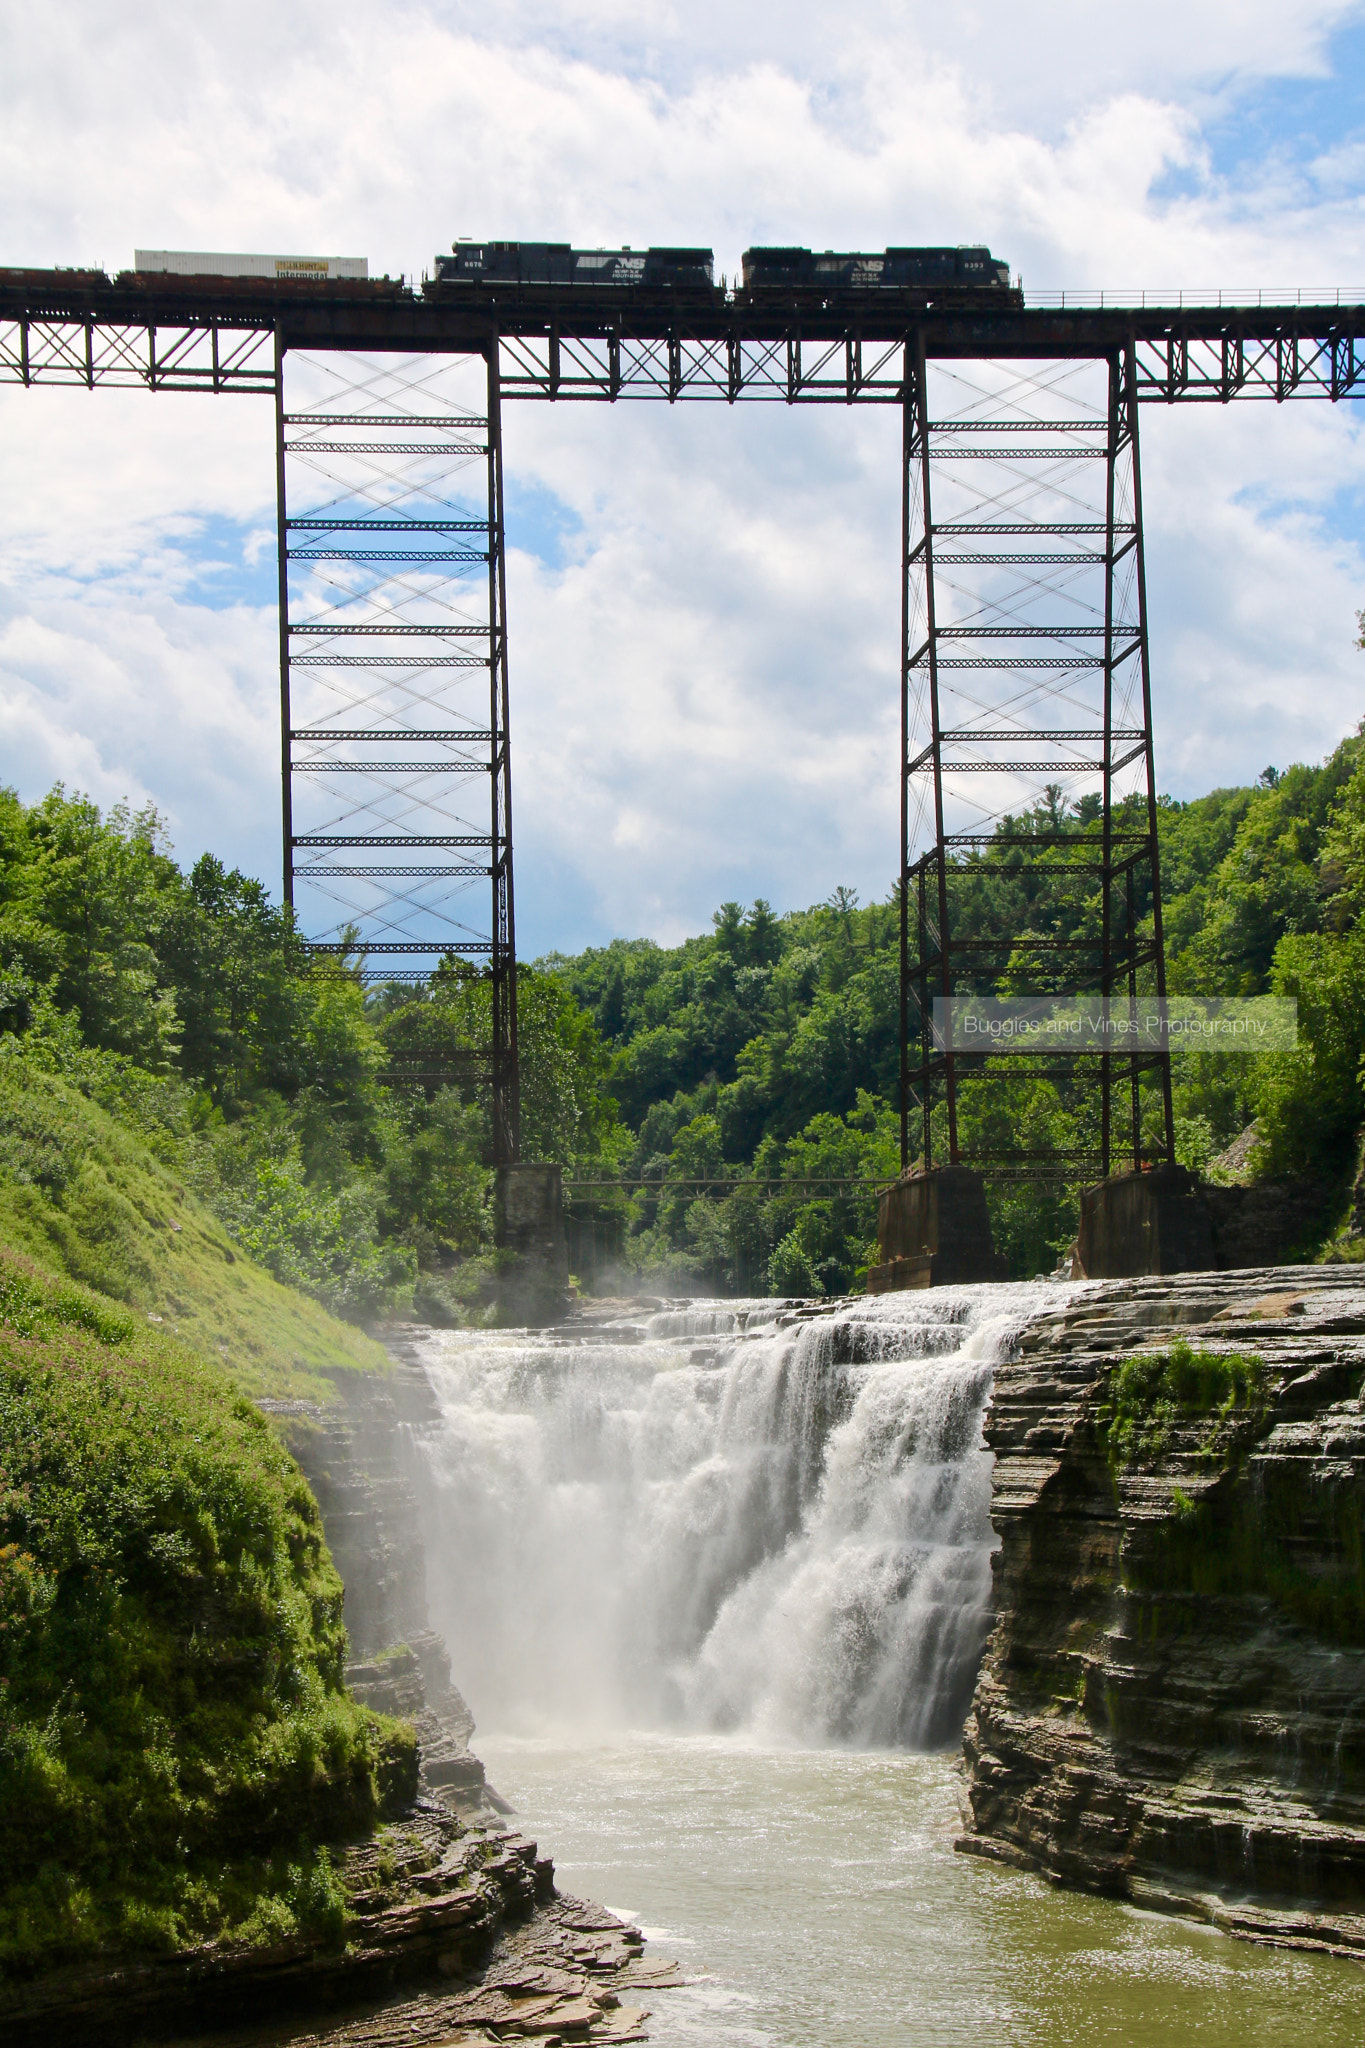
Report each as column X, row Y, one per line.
column 1166, row 1220
column 934, row 1230
column 533, row 1252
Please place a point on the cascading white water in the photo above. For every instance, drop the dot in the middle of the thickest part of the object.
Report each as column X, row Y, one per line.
column 724, row 1516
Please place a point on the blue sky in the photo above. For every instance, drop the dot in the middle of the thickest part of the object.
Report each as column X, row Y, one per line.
column 703, row 602
column 1297, row 119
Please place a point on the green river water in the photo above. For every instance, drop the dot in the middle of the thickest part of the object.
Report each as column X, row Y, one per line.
column 814, row 1897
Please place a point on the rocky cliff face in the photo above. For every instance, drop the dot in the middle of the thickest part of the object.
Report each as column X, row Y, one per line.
column 358, row 1461
column 429, row 1895
column 1172, row 1702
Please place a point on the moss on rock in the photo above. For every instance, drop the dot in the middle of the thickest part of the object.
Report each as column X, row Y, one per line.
column 1152, row 1396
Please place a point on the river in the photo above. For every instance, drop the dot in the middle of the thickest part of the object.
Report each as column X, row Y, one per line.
column 716, row 1581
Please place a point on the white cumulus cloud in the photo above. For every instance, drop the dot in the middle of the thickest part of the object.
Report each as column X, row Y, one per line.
column 703, row 600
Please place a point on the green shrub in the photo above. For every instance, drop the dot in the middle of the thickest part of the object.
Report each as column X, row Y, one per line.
column 175, row 1740
column 789, row 1268
column 323, row 1242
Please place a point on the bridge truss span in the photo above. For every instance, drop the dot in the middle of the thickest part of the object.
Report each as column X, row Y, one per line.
column 1025, row 679
column 87, row 351
column 172, row 333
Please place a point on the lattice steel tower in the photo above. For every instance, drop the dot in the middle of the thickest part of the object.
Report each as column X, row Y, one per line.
column 396, row 768
column 1027, row 729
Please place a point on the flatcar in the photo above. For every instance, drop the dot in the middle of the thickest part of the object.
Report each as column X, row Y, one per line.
column 539, row 264
column 65, row 275
column 968, row 267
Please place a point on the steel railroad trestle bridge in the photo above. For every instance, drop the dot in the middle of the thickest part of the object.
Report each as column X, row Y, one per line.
column 1025, row 673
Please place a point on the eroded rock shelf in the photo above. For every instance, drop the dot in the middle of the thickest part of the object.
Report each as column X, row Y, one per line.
column 1172, row 1702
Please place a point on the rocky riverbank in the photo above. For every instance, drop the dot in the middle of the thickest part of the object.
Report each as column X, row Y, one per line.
column 1172, row 1703
column 470, row 1909
column 569, row 1973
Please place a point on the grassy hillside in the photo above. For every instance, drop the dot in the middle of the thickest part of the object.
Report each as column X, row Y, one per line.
column 85, row 1196
column 176, row 1746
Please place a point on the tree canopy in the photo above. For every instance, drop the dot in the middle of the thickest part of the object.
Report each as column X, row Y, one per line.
column 743, row 1084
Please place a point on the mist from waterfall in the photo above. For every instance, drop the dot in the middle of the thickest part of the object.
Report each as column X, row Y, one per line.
column 724, row 1516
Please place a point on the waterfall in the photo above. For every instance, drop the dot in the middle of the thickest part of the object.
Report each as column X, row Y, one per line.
column 737, row 1516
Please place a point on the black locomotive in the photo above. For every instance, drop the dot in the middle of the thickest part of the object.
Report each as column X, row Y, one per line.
column 967, row 268
column 556, row 263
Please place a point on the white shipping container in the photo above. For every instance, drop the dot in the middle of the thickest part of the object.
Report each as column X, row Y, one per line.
column 195, row 263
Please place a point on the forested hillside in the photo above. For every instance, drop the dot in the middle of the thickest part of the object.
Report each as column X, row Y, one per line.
column 768, row 1047
column 186, row 1006
column 333, row 1132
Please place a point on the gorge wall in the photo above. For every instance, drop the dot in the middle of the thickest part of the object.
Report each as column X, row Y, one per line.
column 357, row 1458
column 1171, row 1705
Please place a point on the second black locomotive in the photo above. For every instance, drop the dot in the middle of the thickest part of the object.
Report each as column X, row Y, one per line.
column 555, row 263
column 969, row 267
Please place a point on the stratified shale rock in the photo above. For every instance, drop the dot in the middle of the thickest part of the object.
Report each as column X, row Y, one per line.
column 568, row 1973
column 1172, row 1702
column 412, row 1680
column 358, row 1459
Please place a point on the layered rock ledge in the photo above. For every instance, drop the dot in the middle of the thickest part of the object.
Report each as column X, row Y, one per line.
column 572, row 1973
column 1171, row 1707
column 358, row 1459
column 470, row 1910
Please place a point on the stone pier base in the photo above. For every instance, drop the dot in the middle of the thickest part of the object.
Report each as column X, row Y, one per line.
column 934, row 1230
column 1166, row 1220
column 1145, row 1223
column 528, row 1230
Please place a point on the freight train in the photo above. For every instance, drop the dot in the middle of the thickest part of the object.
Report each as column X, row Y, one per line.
column 770, row 278
column 766, row 274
